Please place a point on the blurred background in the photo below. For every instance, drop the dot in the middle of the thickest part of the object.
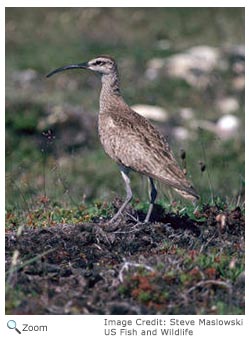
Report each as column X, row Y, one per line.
column 183, row 68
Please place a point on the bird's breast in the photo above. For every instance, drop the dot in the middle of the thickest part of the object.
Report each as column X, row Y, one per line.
column 109, row 136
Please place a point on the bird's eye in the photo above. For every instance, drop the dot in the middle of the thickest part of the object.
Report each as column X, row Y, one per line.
column 98, row 62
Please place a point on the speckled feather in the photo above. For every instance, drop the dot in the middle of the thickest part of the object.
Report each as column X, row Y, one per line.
column 131, row 140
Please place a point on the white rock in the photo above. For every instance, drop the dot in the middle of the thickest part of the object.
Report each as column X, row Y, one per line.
column 181, row 133
column 151, row 112
column 227, row 126
column 208, row 56
column 193, row 65
column 186, row 113
column 227, row 105
column 25, row 77
column 154, row 67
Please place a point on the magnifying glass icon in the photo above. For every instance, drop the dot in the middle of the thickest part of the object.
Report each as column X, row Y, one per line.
column 12, row 325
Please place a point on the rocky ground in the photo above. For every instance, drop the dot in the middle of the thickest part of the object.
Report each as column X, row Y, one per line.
column 174, row 265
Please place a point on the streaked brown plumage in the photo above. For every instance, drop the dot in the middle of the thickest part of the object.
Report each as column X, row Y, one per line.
column 130, row 139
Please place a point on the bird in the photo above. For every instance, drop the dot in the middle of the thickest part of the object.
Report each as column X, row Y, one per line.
column 130, row 139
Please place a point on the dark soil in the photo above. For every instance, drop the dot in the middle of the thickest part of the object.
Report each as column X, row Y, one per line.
column 174, row 265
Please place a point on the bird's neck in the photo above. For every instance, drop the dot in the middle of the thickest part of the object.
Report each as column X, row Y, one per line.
column 110, row 91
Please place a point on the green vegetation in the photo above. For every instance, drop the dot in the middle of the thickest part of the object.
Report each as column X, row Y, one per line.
column 194, row 275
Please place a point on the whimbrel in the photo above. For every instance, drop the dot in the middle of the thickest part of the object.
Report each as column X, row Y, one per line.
column 130, row 139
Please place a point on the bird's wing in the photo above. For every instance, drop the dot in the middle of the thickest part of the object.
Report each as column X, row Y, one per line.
column 140, row 146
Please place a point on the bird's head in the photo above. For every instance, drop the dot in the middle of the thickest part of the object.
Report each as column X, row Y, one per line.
column 103, row 65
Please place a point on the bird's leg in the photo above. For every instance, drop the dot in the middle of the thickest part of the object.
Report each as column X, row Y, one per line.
column 153, row 195
column 124, row 172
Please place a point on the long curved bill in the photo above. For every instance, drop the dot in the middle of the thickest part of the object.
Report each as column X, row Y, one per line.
column 83, row 65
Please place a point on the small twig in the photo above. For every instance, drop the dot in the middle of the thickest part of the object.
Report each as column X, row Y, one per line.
column 132, row 217
column 207, row 243
column 211, row 282
column 97, row 246
column 125, row 232
column 133, row 229
column 13, row 268
column 126, row 266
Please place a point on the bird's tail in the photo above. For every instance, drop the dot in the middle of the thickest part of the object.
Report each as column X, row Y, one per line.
column 189, row 194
